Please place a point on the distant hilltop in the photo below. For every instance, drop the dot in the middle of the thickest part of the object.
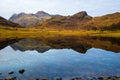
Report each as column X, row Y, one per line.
column 25, row 19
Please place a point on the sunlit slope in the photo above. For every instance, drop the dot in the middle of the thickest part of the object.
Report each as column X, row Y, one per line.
column 83, row 21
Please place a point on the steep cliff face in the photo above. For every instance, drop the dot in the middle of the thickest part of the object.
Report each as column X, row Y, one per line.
column 30, row 19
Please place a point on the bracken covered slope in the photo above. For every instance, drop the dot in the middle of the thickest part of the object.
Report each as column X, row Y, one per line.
column 83, row 21
column 7, row 23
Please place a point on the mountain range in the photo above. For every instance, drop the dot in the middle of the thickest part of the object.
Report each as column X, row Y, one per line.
column 25, row 19
column 78, row 21
column 82, row 20
column 75, row 21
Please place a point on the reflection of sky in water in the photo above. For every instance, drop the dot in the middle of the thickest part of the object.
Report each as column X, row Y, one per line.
column 61, row 62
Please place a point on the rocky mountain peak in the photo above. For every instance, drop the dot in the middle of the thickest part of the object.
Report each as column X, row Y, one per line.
column 80, row 15
column 14, row 16
column 21, row 14
column 42, row 13
column 31, row 19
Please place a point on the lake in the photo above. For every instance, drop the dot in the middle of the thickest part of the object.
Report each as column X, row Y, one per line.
column 61, row 58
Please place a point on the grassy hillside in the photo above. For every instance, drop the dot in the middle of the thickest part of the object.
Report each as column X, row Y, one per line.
column 106, row 22
column 83, row 21
column 73, row 22
column 7, row 23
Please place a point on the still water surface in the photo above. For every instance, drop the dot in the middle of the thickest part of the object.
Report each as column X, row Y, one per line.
column 45, row 61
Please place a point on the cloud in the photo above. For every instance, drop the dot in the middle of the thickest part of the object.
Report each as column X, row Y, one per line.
column 63, row 7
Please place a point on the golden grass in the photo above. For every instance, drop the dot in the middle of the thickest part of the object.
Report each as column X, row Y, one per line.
column 33, row 32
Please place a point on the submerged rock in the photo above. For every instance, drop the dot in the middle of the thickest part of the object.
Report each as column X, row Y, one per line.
column 77, row 78
column 58, row 78
column 11, row 72
column 44, row 79
column 100, row 78
column 21, row 71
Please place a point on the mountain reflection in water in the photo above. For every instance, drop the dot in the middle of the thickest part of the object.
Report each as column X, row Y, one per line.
column 61, row 57
column 79, row 44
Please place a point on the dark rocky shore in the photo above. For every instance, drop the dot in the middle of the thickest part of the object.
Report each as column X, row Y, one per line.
column 21, row 71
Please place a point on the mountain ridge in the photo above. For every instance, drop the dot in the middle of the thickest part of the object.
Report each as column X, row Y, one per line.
column 80, row 20
column 30, row 19
column 83, row 21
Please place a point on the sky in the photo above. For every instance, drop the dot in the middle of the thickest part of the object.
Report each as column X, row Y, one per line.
column 62, row 7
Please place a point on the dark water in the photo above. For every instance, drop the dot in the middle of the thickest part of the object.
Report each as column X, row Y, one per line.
column 65, row 57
